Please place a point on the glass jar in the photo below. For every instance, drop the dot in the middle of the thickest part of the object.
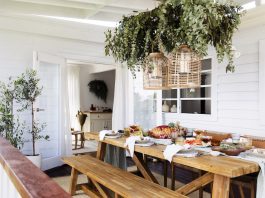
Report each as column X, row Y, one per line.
column 180, row 140
column 174, row 136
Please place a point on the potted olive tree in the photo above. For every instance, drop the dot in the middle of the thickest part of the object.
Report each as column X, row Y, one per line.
column 27, row 91
column 11, row 127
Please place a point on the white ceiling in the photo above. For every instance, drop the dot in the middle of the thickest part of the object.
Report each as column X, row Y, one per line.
column 106, row 10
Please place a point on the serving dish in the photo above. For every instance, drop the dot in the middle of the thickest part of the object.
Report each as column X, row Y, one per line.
column 231, row 148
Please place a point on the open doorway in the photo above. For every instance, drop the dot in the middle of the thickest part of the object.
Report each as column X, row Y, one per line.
column 97, row 112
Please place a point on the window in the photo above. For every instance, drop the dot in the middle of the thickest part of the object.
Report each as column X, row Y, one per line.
column 145, row 113
column 193, row 101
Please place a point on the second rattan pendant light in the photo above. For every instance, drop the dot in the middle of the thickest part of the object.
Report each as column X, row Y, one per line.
column 184, row 70
column 155, row 71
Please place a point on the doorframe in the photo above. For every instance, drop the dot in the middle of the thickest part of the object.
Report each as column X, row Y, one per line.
column 61, row 61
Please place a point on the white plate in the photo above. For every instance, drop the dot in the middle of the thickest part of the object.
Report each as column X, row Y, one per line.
column 113, row 136
column 162, row 141
column 144, row 144
column 187, row 153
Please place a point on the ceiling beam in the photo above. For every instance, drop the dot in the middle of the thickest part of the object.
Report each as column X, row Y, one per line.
column 127, row 4
column 65, row 3
column 53, row 8
column 17, row 8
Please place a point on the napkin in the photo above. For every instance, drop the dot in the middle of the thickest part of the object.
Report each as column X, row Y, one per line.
column 130, row 142
column 171, row 150
column 261, row 177
column 103, row 133
column 161, row 141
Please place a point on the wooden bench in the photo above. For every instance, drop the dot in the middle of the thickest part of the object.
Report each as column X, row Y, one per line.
column 122, row 183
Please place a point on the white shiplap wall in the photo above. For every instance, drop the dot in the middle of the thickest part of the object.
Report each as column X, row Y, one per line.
column 237, row 101
column 16, row 53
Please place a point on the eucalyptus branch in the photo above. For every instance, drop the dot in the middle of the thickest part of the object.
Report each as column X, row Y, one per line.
column 197, row 24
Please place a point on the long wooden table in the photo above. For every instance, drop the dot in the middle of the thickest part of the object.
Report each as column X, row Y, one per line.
column 219, row 169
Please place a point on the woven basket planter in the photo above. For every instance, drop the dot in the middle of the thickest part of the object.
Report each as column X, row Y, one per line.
column 155, row 71
column 184, row 70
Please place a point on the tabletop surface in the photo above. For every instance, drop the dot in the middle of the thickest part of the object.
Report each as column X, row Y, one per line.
column 221, row 165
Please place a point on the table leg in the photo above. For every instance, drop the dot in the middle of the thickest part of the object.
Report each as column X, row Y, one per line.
column 221, row 186
column 101, row 150
column 173, row 175
column 165, row 172
column 139, row 162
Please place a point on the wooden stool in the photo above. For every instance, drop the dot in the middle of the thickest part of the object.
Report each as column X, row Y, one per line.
column 82, row 139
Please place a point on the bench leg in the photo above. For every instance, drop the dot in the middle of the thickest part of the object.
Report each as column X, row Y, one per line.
column 74, row 175
column 90, row 192
column 100, row 190
column 117, row 195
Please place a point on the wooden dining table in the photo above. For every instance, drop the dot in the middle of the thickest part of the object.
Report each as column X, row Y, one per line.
column 219, row 170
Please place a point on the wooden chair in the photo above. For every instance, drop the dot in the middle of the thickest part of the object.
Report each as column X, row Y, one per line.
column 249, row 181
column 102, row 175
column 217, row 135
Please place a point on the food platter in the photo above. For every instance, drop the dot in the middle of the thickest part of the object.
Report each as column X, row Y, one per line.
column 161, row 132
column 231, row 149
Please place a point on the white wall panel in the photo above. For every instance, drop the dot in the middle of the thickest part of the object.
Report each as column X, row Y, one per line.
column 16, row 54
column 238, row 94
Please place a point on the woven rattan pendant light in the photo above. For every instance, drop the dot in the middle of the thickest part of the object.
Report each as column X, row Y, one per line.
column 155, row 71
column 184, row 71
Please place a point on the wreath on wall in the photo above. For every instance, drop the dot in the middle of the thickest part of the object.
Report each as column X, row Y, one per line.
column 99, row 88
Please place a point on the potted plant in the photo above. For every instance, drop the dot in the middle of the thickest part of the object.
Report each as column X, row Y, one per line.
column 11, row 127
column 28, row 90
column 172, row 24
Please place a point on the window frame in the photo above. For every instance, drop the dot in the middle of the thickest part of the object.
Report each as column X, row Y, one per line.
column 196, row 117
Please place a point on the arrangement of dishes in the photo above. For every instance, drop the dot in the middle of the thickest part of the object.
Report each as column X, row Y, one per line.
column 165, row 134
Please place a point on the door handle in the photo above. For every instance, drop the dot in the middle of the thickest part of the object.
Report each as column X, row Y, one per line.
column 38, row 109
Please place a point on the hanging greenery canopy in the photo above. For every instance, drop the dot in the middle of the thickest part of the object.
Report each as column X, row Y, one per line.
column 173, row 23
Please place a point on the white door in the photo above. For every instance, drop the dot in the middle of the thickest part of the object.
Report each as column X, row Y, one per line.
column 50, row 108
